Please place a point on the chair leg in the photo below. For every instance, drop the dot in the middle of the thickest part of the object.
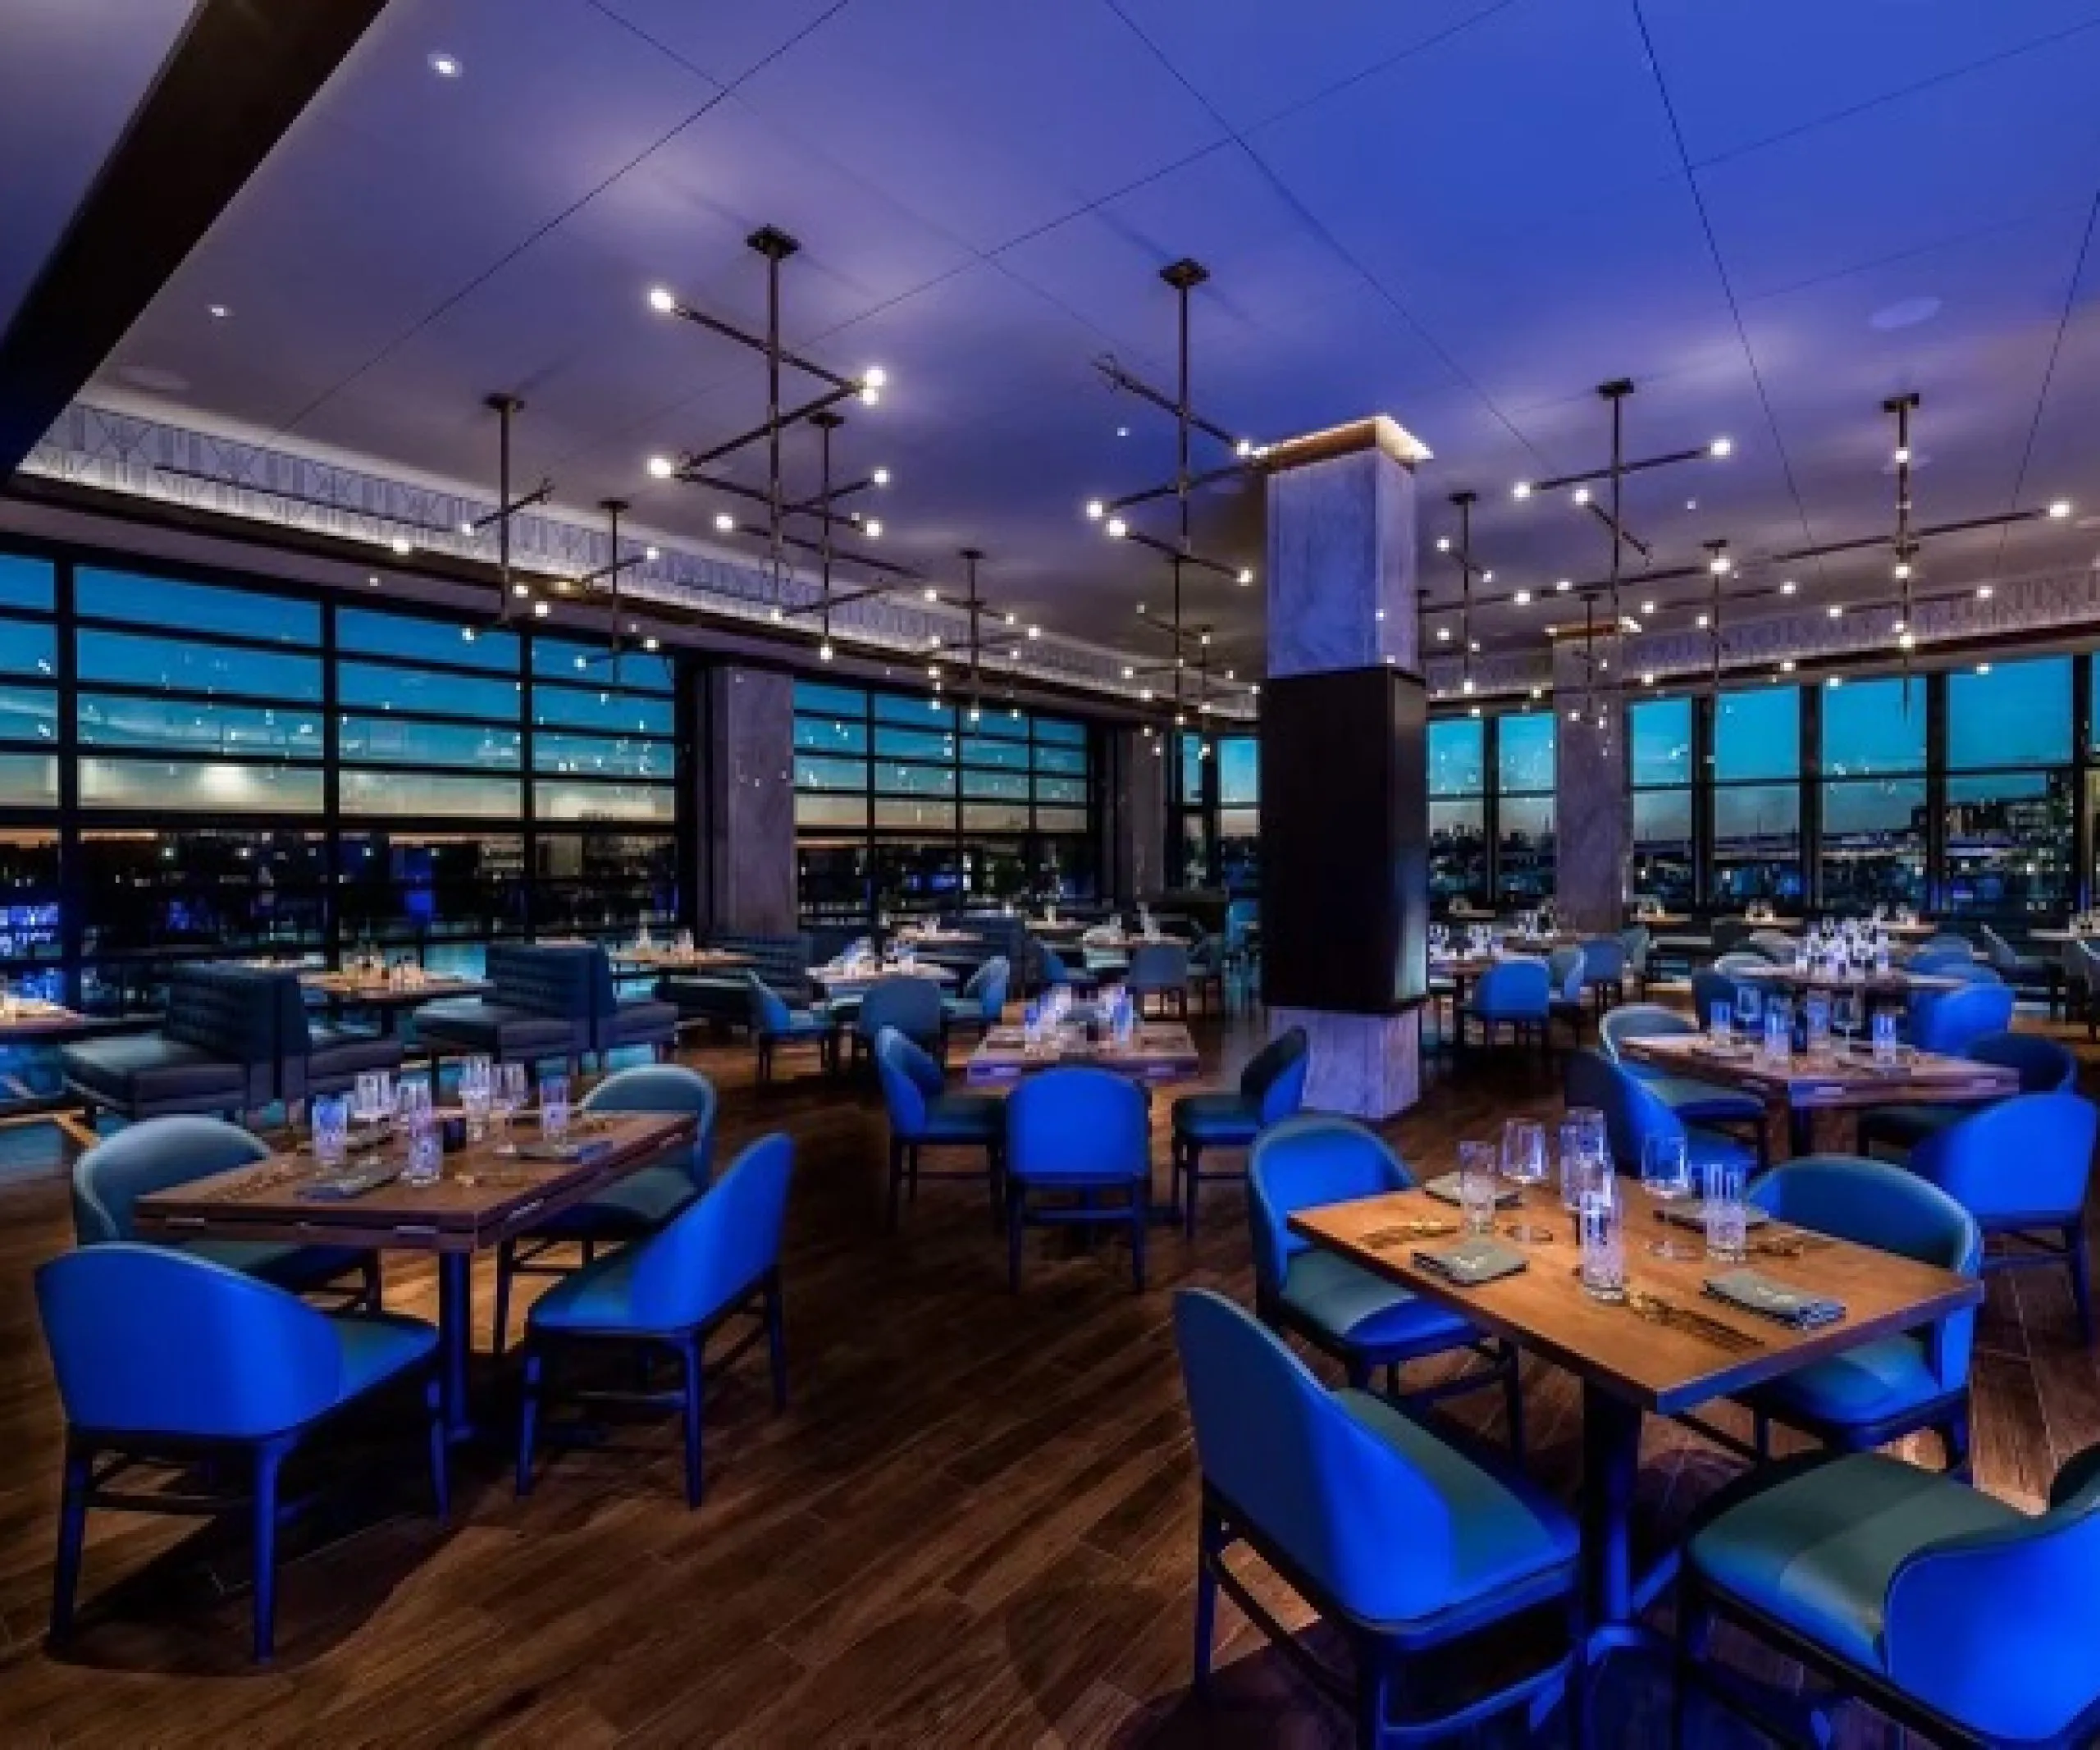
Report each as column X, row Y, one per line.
column 1016, row 1197
column 1140, row 1219
column 2081, row 1277
column 1512, row 1398
column 264, row 1517
column 440, row 1471
column 776, row 1339
column 1192, row 1154
column 1208, row 1536
column 528, row 1417
column 506, row 1272
column 1954, row 1435
column 690, row 1356
column 1369, row 1698
column 373, row 1297
column 896, row 1177
column 72, row 1536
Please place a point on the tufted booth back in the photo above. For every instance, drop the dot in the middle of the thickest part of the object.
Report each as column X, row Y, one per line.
column 783, row 961
column 219, row 1009
column 545, row 979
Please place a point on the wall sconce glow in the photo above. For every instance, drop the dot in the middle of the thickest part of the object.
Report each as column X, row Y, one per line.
column 1117, row 528
column 2060, row 510
column 661, row 301
column 661, row 468
column 1721, row 447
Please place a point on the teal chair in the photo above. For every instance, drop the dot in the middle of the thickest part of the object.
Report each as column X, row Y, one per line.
column 984, row 998
column 1956, row 1614
column 1695, row 1101
column 1362, row 1320
column 1406, row 1545
column 1875, row 1392
column 1633, row 1111
column 1271, row 1088
column 718, row 1260
column 924, row 1113
column 775, row 1024
column 165, row 1359
column 1076, row 1134
column 2021, row 1168
column 2044, row 1068
column 156, row 1154
column 629, row 1208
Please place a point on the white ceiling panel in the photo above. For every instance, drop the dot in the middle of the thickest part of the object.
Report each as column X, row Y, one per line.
column 724, row 38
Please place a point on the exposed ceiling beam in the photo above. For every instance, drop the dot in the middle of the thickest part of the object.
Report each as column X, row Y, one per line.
column 236, row 79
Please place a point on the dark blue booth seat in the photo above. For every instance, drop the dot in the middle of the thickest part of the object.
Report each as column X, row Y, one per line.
column 215, row 1052
column 540, row 1007
column 619, row 1021
column 317, row 1057
column 784, row 961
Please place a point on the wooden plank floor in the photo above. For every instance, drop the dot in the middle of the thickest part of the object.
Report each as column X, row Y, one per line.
column 973, row 1527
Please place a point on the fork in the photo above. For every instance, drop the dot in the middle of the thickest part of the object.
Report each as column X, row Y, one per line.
column 1654, row 1309
column 1422, row 1228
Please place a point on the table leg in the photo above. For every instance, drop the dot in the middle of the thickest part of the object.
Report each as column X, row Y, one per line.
column 1800, row 1132
column 1611, row 1463
column 455, row 1338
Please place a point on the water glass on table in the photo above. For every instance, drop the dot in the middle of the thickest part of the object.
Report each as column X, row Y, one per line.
column 474, row 1096
column 506, row 1099
column 1885, row 1043
column 1523, row 1165
column 425, row 1162
column 1815, row 1019
column 1778, row 1035
column 1600, row 1229
column 1666, row 1177
column 1750, row 1011
column 331, row 1130
column 1478, row 1185
column 373, row 1099
column 1720, row 1022
column 1722, row 1185
column 411, row 1102
column 554, row 1108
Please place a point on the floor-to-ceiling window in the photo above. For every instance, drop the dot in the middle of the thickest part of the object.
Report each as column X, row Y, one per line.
column 193, row 766
column 1523, row 808
column 2010, row 806
column 1875, row 840
column 904, row 805
column 1757, row 796
column 1239, row 814
column 1660, row 768
column 1457, row 810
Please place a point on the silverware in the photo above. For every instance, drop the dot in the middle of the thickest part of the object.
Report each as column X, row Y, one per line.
column 1656, row 1310
column 1398, row 1234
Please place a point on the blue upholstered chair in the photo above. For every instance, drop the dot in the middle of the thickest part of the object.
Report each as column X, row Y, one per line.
column 1952, row 1020
column 1633, row 1111
column 1960, row 972
column 1514, row 993
column 1875, row 1392
column 1057, row 970
column 1953, row 1613
column 2020, row 1168
column 984, row 998
column 717, row 1260
column 923, row 1113
column 2044, row 1066
column 629, row 1208
column 1709, row 985
column 2026, row 971
column 163, row 1357
column 156, row 1154
column 910, row 1004
column 1078, row 1132
column 1271, row 1088
column 1775, row 945
column 1158, row 975
column 775, row 1024
column 1363, row 1321
column 1636, row 942
column 1403, row 1543
column 1695, row 1101
column 1948, row 942
column 1567, row 969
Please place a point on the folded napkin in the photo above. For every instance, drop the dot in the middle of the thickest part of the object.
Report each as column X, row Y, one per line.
column 1753, row 1291
column 1445, row 1189
column 1693, row 1214
column 341, row 1187
column 568, row 1152
column 1472, row 1262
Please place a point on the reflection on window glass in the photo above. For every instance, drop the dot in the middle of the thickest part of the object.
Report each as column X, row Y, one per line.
column 2009, row 714
column 28, row 714
column 175, row 665
column 375, row 793
column 1757, row 842
column 557, row 801
column 361, row 631
column 1663, row 868
column 1873, row 842
column 207, row 727
column 2009, row 843
column 206, row 786
column 1526, row 850
column 372, row 687
column 28, row 648
column 1238, row 771
column 403, row 741
column 566, row 660
column 577, row 708
column 1758, row 734
column 196, row 608
column 1456, row 763
column 26, row 582
column 614, row 757
column 1524, row 758
column 1873, row 727
column 1659, row 742
column 1458, row 850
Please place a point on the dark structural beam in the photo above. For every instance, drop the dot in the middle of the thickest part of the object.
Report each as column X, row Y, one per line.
column 235, row 80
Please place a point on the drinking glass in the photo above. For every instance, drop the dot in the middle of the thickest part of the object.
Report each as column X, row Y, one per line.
column 474, row 1096
column 425, row 1162
column 331, row 1130
column 1720, row 1022
column 1582, row 1159
column 554, row 1108
column 374, row 1098
column 1600, row 1228
column 1845, row 1016
column 1523, row 1165
column 1477, row 1185
column 506, row 1099
column 411, row 1101
column 1666, row 1177
column 1778, row 1035
column 1750, row 1009
column 1815, row 1011
column 1728, row 1222
column 1884, row 1036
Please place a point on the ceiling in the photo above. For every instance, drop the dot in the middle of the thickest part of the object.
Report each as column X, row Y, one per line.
column 1771, row 214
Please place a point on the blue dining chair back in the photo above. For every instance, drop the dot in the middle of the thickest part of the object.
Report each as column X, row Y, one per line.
column 148, row 1340
column 1519, row 989
column 987, row 988
column 1564, row 972
column 1636, row 942
column 911, row 1005
column 1633, row 1111
column 2028, row 1156
column 1874, row 1203
column 1639, row 1020
column 1157, row 968
column 770, row 1012
column 714, row 1249
column 1948, row 942
column 1742, row 960
column 1951, row 1021
column 2044, row 1066
column 1302, row 1162
column 1603, row 960
column 1273, row 1082
column 665, row 1088
column 1078, row 1124
column 1709, row 985
column 1293, row 1463
column 150, row 1156
column 910, row 1078
column 1055, row 971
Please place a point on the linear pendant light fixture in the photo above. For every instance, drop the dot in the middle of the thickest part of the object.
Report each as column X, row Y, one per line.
column 506, row 408
column 609, row 575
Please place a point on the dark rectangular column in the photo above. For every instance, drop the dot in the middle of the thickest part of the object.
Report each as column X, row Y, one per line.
column 747, row 771
column 1593, row 805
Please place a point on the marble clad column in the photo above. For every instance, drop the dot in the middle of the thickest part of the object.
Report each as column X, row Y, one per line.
column 1341, row 583
column 1592, row 806
column 1134, row 779
column 749, row 772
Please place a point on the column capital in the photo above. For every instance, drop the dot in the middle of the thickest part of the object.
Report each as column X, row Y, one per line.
column 1379, row 432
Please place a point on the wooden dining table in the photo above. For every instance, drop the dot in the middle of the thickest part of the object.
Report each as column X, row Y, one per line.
column 1632, row 1363
column 1156, row 1051
column 636, row 959
column 836, row 980
column 484, row 1197
column 1895, row 983
column 1848, row 1080
column 348, row 990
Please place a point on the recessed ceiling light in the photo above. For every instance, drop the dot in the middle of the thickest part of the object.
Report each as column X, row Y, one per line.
column 1523, row 598
column 874, row 378
column 1788, row 666
column 1983, row 592
column 402, row 544
column 541, row 609
column 1563, row 586
column 1538, row 693
column 1122, row 431
column 219, row 312
column 1905, row 313
column 1647, row 679
column 1691, row 503
column 650, row 555
column 1835, row 680
column 651, row 644
column 1647, row 607
column 520, row 589
column 2060, row 510
column 372, row 581
column 1983, row 667
column 1523, row 489
column 445, row 65
column 1836, row 610
column 661, row 468
column 1117, row 528
column 1908, row 640
column 662, row 300
column 1443, row 543
column 1701, row 623
column 1721, row 447
column 1581, row 495
column 1244, row 576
